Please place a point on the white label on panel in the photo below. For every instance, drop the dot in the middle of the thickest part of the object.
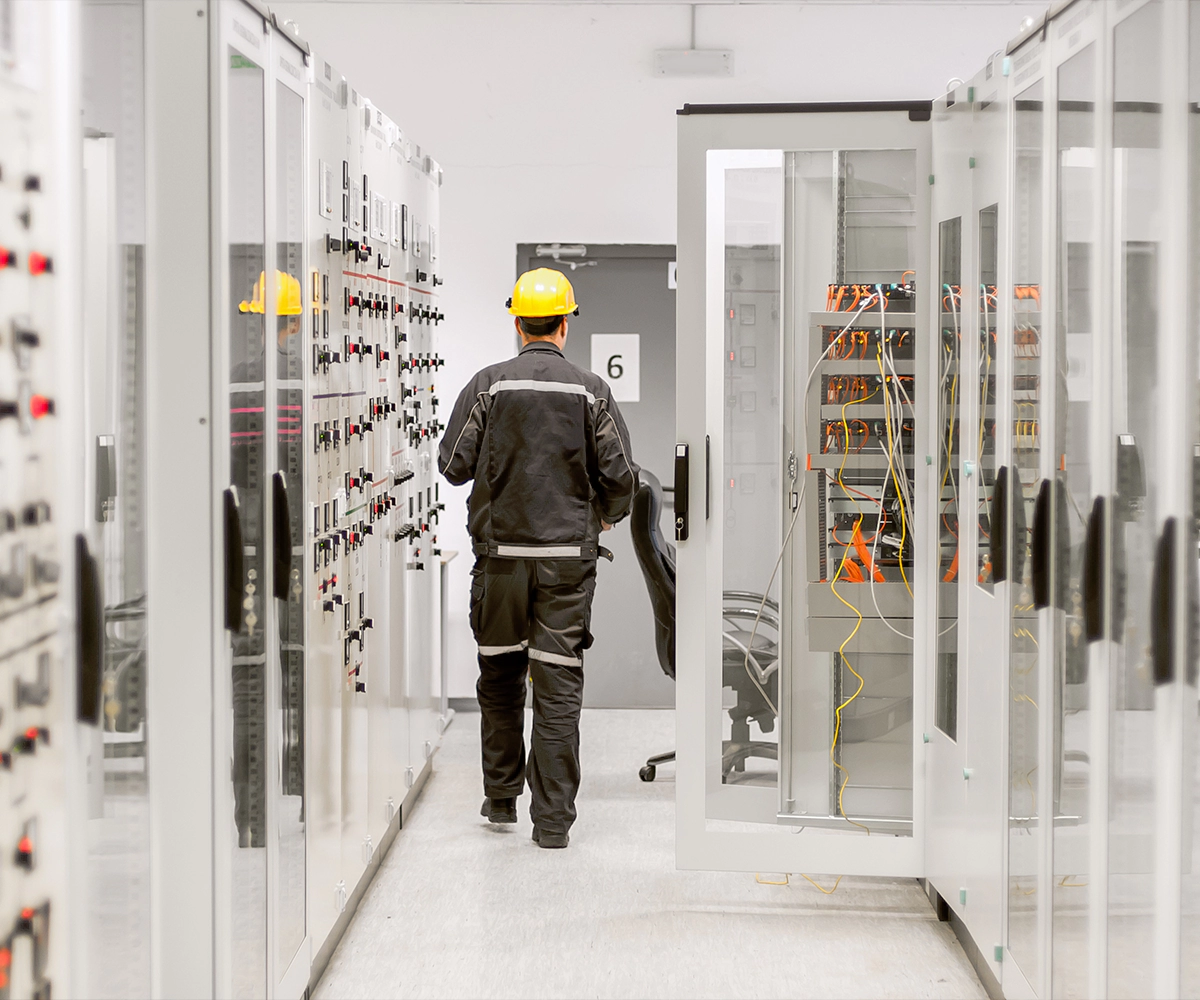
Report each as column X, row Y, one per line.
column 396, row 223
column 355, row 202
column 379, row 216
column 326, row 196
column 672, row 274
column 616, row 358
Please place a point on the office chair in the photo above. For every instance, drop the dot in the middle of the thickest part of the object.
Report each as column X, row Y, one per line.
column 656, row 557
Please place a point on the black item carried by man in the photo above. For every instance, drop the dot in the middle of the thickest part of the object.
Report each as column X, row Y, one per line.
column 739, row 611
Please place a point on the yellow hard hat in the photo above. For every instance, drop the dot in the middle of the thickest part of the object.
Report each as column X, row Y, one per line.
column 287, row 296
column 543, row 292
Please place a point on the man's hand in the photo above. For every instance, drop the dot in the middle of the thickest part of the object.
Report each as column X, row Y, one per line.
column 605, row 526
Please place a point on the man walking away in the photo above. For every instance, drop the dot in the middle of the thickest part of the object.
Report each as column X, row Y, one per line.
column 552, row 464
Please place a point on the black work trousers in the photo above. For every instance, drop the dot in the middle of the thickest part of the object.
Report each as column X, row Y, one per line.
column 530, row 618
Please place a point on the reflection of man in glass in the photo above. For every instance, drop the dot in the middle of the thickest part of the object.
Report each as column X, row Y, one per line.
column 247, row 405
column 288, row 306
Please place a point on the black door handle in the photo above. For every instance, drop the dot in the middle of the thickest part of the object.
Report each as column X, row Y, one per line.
column 998, row 523
column 1051, row 548
column 1040, row 547
column 681, row 492
column 89, row 616
column 1093, row 571
column 235, row 571
column 1162, row 606
column 281, row 529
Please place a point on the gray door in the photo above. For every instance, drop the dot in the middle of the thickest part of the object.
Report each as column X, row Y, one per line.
column 624, row 290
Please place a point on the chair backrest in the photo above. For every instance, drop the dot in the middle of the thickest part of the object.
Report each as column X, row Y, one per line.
column 657, row 561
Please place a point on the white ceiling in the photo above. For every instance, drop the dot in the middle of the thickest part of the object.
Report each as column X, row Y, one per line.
column 701, row 3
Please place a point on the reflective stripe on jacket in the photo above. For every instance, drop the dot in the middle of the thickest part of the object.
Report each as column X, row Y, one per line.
column 548, row 450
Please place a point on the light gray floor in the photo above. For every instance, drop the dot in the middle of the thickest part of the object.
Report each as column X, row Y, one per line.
column 461, row 908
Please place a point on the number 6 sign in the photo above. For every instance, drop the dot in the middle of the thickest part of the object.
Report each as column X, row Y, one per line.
column 616, row 359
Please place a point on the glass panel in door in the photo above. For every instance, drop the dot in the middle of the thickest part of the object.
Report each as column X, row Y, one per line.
column 118, row 821
column 985, row 432
column 1189, row 973
column 1024, row 835
column 1075, row 369
column 750, row 484
column 1137, row 211
column 950, row 408
column 249, row 461
column 853, row 259
column 295, row 298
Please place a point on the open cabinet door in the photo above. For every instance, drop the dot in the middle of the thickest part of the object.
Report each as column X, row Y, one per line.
column 802, row 551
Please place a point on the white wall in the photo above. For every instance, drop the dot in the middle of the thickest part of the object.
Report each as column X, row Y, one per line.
column 550, row 125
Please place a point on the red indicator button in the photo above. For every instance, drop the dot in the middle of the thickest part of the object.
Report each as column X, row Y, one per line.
column 39, row 406
column 25, row 845
column 39, row 263
column 8, row 258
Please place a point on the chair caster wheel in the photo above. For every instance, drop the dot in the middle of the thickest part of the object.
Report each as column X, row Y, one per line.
column 647, row 773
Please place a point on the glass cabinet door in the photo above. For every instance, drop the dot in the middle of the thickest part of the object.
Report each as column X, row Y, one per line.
column 749, row 507
column 1137, row 212
column 950, row 390
column 804, row 494
column 244, row 142
column 1077, row 383
column 118, row 873
column 1024, row 809
column 1189, row 972
column 295, row 299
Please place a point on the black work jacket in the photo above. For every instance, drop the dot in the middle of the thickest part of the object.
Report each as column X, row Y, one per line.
column 549, row 453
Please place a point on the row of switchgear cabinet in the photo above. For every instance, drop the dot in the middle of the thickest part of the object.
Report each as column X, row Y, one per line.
column 326, row 569
column 372, row 499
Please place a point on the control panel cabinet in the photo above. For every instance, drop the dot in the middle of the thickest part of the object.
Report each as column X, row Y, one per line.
column 370, row 490
column 330, row 685
column 41, row 693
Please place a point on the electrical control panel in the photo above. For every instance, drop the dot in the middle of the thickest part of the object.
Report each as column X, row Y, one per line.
column 371, row 409
column 35, row 582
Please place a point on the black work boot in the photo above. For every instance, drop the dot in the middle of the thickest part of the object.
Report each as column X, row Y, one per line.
column 544, row 838
column 499, row 810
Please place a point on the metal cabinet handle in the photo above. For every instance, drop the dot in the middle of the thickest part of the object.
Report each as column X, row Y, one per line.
column 89, row 652
column 281, row 529
column 1094, row 551
column 1162, row 605
column 1051, row 548
column 681, row 492
column 1040, row 547
column 235, row 571
column 998, row 524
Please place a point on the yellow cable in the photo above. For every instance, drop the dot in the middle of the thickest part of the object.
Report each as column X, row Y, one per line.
column 887, row 422
column 787, row 881
column 953, row 420
column 828, row 892
column 837, row 728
